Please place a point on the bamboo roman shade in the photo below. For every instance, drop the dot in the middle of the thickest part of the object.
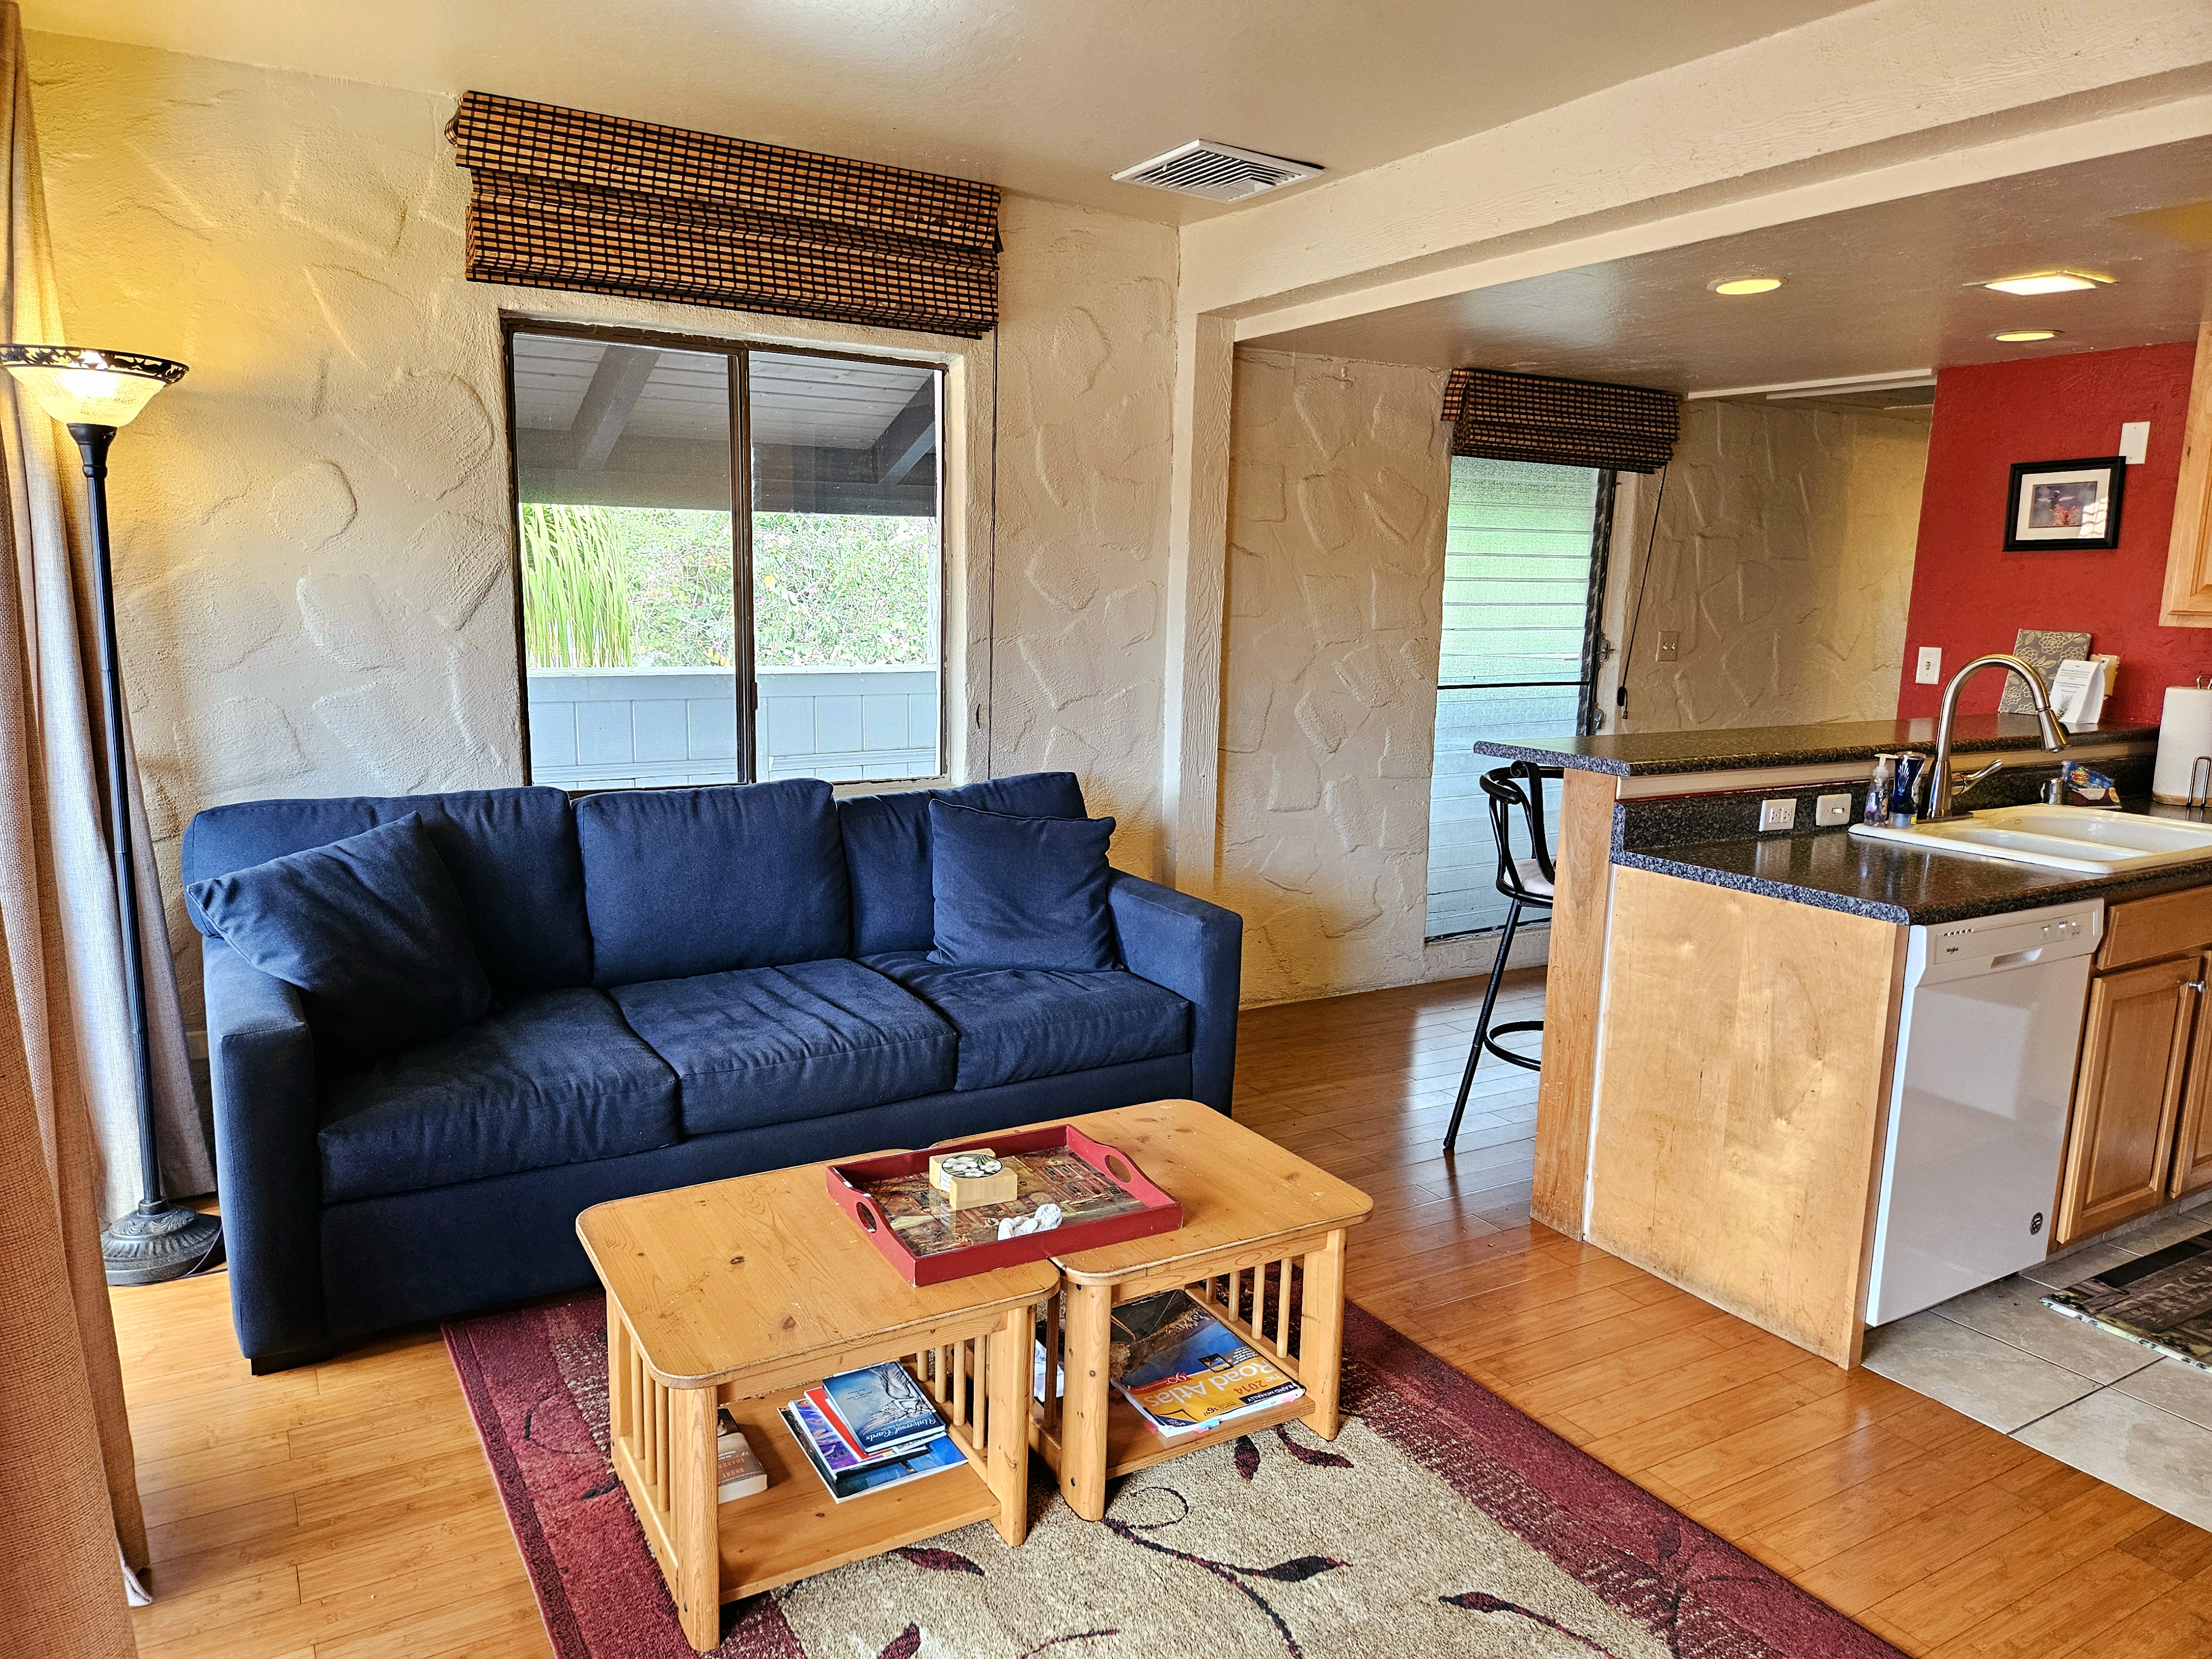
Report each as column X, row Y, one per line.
column 1533, row 418
column 562, row 198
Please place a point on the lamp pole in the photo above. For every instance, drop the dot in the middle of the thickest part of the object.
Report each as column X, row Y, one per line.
column 157, row 1241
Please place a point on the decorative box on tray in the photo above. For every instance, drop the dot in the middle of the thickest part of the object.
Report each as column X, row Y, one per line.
column 1101, row 1197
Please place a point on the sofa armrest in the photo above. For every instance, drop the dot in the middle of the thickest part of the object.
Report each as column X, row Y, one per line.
column 1197, row 951
column 261, row 1062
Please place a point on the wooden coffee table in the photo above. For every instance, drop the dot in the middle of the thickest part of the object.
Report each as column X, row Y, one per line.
column 747, row 1292
column 1248, row 1206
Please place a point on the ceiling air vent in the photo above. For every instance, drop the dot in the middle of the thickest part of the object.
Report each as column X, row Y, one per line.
column 1220, row 173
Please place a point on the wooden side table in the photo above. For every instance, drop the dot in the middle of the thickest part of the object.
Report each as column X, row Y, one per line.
column 747, row 1292
column 1249, row 1207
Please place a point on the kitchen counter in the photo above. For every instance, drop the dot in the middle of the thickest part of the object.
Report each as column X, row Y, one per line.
column 1649, row 754
column 1837, row 871
column 1685, row 804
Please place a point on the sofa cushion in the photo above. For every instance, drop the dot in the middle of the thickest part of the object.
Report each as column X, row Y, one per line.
column 779, row 1045
column 553, row 1078
column 680, row 882
column 887, row 849
column 369, row 927
column 512, row 853
column 1021, row 1023
column 1019, row 892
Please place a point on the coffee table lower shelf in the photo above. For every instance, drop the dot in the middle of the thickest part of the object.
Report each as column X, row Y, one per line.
column 663, row 1449
column 796, row 1529
column 1132, row 1443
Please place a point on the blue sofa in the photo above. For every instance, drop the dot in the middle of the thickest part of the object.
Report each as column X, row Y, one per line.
column 689, row 985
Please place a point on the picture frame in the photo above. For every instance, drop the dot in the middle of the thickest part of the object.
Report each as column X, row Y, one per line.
column 2065, row 506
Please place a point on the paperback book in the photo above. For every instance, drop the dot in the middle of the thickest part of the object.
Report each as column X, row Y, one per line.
column 817, row 1397
column 1186, row 1371
column 738, row 1470
column 882, row 1407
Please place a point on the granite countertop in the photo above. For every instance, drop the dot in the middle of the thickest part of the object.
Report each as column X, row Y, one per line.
column 1837, row 871
column 1641, row 754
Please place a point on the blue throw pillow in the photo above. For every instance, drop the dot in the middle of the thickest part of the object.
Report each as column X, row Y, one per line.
column 371, row 928
column 1016, row 892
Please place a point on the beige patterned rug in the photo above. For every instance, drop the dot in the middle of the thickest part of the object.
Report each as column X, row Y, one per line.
column 1440, row 1521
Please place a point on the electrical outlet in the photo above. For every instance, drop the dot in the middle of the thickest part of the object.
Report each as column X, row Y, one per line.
column 1780, row 814
column 1832, row 810
column 1931, row 665
column 1670, row 644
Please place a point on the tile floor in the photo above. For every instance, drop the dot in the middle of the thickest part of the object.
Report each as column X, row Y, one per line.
column 2107, row 1406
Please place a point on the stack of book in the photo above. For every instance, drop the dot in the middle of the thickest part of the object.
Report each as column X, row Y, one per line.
column 869, row 1430
column 1185, row 1372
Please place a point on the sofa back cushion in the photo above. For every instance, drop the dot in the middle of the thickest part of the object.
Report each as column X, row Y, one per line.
column 371, row 928
column 1020, row 892
column 512, row 853
column 887, row 850
column 678, row 882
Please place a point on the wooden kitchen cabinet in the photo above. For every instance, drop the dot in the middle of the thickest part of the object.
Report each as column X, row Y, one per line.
column 2192, row 1146
column 2128, row 1095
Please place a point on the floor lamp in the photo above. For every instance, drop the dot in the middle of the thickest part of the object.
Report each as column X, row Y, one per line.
column 94, row 393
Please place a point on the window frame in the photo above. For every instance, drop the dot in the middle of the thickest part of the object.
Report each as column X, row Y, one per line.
column 1595, row 646
column 736, row 350
column 1595, row 649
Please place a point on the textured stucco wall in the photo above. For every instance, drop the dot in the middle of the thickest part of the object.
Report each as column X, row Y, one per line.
column 1339, row 482
column 1785, row 557
column 1085, row 401
column 313, row 535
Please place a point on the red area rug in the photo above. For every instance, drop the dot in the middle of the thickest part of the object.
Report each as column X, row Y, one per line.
column 1441, row 1519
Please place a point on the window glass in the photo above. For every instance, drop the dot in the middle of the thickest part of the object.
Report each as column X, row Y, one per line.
column 1521, row 560
column 845, row 557
column 652, row 614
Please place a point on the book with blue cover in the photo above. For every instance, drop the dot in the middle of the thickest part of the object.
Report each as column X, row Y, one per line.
column 853, row 1481
column 884, row 1406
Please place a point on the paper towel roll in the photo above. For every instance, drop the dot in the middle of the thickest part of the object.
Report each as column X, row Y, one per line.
column 2184, row 731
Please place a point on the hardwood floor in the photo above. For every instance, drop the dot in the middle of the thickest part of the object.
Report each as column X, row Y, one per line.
column 346, row 1509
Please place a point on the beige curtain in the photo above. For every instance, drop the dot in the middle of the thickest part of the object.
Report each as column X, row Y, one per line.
column 65, row 1457
column 59, row 628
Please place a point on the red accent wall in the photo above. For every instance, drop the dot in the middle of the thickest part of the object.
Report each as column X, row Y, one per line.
column 1969, row 596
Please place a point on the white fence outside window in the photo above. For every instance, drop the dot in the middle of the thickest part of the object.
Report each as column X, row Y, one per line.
column 615, row 728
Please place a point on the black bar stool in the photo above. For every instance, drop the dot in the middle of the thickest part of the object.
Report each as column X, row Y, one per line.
column 1527, row 882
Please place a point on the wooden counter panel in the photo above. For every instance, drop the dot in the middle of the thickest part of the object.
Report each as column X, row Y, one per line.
column 1574, row 972
column 1744, row 1098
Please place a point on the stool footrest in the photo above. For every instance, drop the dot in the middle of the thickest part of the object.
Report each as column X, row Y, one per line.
column 1528, row 1062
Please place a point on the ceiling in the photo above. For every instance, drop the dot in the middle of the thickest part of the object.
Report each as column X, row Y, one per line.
column 629, row 424
column 1040, row 96
column 1893, row 286
column 816, row 403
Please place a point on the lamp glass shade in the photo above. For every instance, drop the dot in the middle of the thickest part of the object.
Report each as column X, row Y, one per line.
column 79, row 385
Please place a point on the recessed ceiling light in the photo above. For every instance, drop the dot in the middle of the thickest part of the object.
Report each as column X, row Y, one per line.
column 2023, row 336
column 2048, row 282
column 1747, row 285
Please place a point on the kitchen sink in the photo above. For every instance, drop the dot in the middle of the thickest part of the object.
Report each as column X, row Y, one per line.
column 2094, row 841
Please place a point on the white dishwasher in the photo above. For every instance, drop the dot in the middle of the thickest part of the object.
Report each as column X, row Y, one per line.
column 1986, row 1045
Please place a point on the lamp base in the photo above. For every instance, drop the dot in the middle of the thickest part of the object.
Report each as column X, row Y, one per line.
column 160, row 1242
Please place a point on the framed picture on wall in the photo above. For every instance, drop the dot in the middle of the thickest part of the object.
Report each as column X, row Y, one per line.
column 2071, row 506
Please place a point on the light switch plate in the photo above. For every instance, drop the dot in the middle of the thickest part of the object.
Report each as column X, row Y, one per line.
column 1780, row 814
column 1670, row 644
column 1830, row 811
column 1931, row 668
column 2135, row 441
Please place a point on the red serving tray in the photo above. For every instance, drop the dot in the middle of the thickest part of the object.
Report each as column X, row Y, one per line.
column 1161, row 1213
